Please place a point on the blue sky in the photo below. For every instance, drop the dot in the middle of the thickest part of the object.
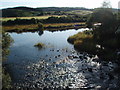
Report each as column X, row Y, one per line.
column 56, row 3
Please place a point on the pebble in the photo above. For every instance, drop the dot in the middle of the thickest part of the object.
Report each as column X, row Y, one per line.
column 58, row 50
column 50, row 59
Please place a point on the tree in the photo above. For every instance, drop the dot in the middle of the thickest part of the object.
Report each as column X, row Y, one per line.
column 106, row 4
column 108, row 22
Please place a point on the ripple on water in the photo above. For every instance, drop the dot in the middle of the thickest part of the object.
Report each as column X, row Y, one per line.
column 74, row 73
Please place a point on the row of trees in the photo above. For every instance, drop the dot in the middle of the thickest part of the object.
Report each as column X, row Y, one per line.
column 48, row 20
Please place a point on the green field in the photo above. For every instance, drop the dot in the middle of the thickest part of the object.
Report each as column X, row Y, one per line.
column 79, row 12
column 36, row 17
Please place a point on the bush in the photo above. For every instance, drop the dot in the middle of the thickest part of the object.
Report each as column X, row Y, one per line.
column 83, row 41
column 6, row 41
column 80, row 36
column 6, row 80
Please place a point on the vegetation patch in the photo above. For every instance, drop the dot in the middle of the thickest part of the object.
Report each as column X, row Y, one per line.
column 39, row 45
column 35, row 17
column 105, row 34
column 80, row 36
column 6, row 79
column 50, row 27
column 83, row 41
column 6, row 41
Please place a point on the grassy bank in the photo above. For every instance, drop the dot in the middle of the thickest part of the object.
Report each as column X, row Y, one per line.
column 83, row 41
column 51, row 27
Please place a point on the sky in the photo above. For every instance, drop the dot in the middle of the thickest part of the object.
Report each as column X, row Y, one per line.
column 56, row 3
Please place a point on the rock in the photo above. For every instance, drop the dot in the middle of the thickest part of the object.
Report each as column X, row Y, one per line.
column 55, row 56
column 28, row 76
column 95, row 60
column 50, row 59
column 59, row 55
column 97, row 87
column 90, row 70
column 70, row 57
column 36, row 85
column 90, row 56
column 85, row 58
column 81, row 57
column 75, row 57
column 58, row 50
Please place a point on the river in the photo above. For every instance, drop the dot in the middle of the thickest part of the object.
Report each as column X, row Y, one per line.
column 57, row 64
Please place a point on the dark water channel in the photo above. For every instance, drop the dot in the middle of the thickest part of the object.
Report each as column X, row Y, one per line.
column 57, row 64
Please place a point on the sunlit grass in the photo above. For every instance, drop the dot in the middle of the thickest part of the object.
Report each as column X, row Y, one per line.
column 19, row 27
column 79, row 37
column 39, row 45
column 35, row 26
column 83, row 41
column 79, row 12
column 36, row 17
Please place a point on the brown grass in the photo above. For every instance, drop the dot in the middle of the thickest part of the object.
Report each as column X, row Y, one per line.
column 35, row 26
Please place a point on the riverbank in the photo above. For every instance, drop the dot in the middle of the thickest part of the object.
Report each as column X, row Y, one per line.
column 86, row 42
column 49, row 27
column 83, row 41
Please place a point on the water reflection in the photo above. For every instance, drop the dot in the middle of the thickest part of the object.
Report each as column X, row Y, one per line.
column 40, row 32
column 58, row 65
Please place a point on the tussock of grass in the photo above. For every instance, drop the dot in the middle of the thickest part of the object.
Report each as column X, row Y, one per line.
column 39, row 45
column 80, row 37
column 83, row 41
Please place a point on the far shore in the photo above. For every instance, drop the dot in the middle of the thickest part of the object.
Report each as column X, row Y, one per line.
column 49, row 27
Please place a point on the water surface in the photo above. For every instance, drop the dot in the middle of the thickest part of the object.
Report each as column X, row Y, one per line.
column 57, row 64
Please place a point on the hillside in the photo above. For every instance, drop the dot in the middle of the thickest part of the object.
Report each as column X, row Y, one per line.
column 28, row 11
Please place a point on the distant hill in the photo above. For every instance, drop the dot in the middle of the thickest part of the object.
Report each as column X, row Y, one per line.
column 28, row 11
column 63, row 8
column 20, row 12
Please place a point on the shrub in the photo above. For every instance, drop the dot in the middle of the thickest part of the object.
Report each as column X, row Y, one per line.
column 80, row 36
column 83, row 41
